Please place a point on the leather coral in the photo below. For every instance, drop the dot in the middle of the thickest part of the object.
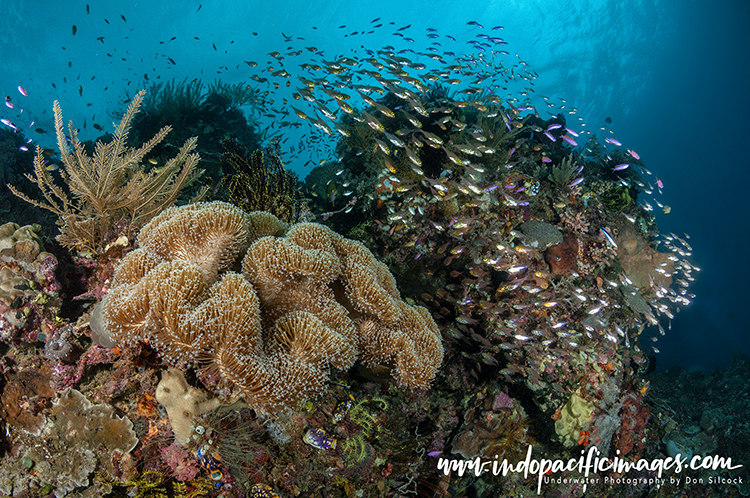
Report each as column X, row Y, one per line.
column 306, row 299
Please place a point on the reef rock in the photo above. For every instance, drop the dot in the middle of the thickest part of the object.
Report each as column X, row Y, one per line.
column 28, row 287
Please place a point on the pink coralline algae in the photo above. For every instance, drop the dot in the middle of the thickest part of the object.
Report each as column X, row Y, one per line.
column 183, row 465
column 502, row 400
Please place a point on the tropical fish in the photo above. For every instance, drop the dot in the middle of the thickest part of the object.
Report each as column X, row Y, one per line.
column 575, row 182
column 609, row 237
column 299, row 113
column 373, row 122
column 569, row 140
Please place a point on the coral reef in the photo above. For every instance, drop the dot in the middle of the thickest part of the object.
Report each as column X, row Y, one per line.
column 296, row 362
column 109, row 187
column 304, row 301
column 24, row 396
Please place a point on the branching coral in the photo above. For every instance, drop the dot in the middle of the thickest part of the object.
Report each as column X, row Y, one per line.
column 110, row 186
column 303, row 301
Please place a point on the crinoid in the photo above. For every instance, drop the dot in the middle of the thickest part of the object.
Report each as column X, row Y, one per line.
column 509, row 437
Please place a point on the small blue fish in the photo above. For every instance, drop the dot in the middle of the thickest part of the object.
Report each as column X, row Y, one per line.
column 569, row 140
column 613, row 141
column 575, row 182
column 608, row 237
column 317, row 438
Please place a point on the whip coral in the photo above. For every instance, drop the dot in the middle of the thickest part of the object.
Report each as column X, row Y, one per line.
column 270, row 333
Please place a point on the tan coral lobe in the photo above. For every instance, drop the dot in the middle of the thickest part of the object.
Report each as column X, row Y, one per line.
column 307, row 300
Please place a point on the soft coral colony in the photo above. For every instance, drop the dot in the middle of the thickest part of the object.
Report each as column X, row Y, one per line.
column 307, row 298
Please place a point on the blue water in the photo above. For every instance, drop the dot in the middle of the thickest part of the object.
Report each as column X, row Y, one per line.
column 672, row 76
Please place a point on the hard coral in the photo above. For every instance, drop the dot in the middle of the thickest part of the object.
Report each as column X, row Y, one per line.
column 640, row 260
column 304, row 301
column 22, row 255
column 28, row 286
column 77, row 437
